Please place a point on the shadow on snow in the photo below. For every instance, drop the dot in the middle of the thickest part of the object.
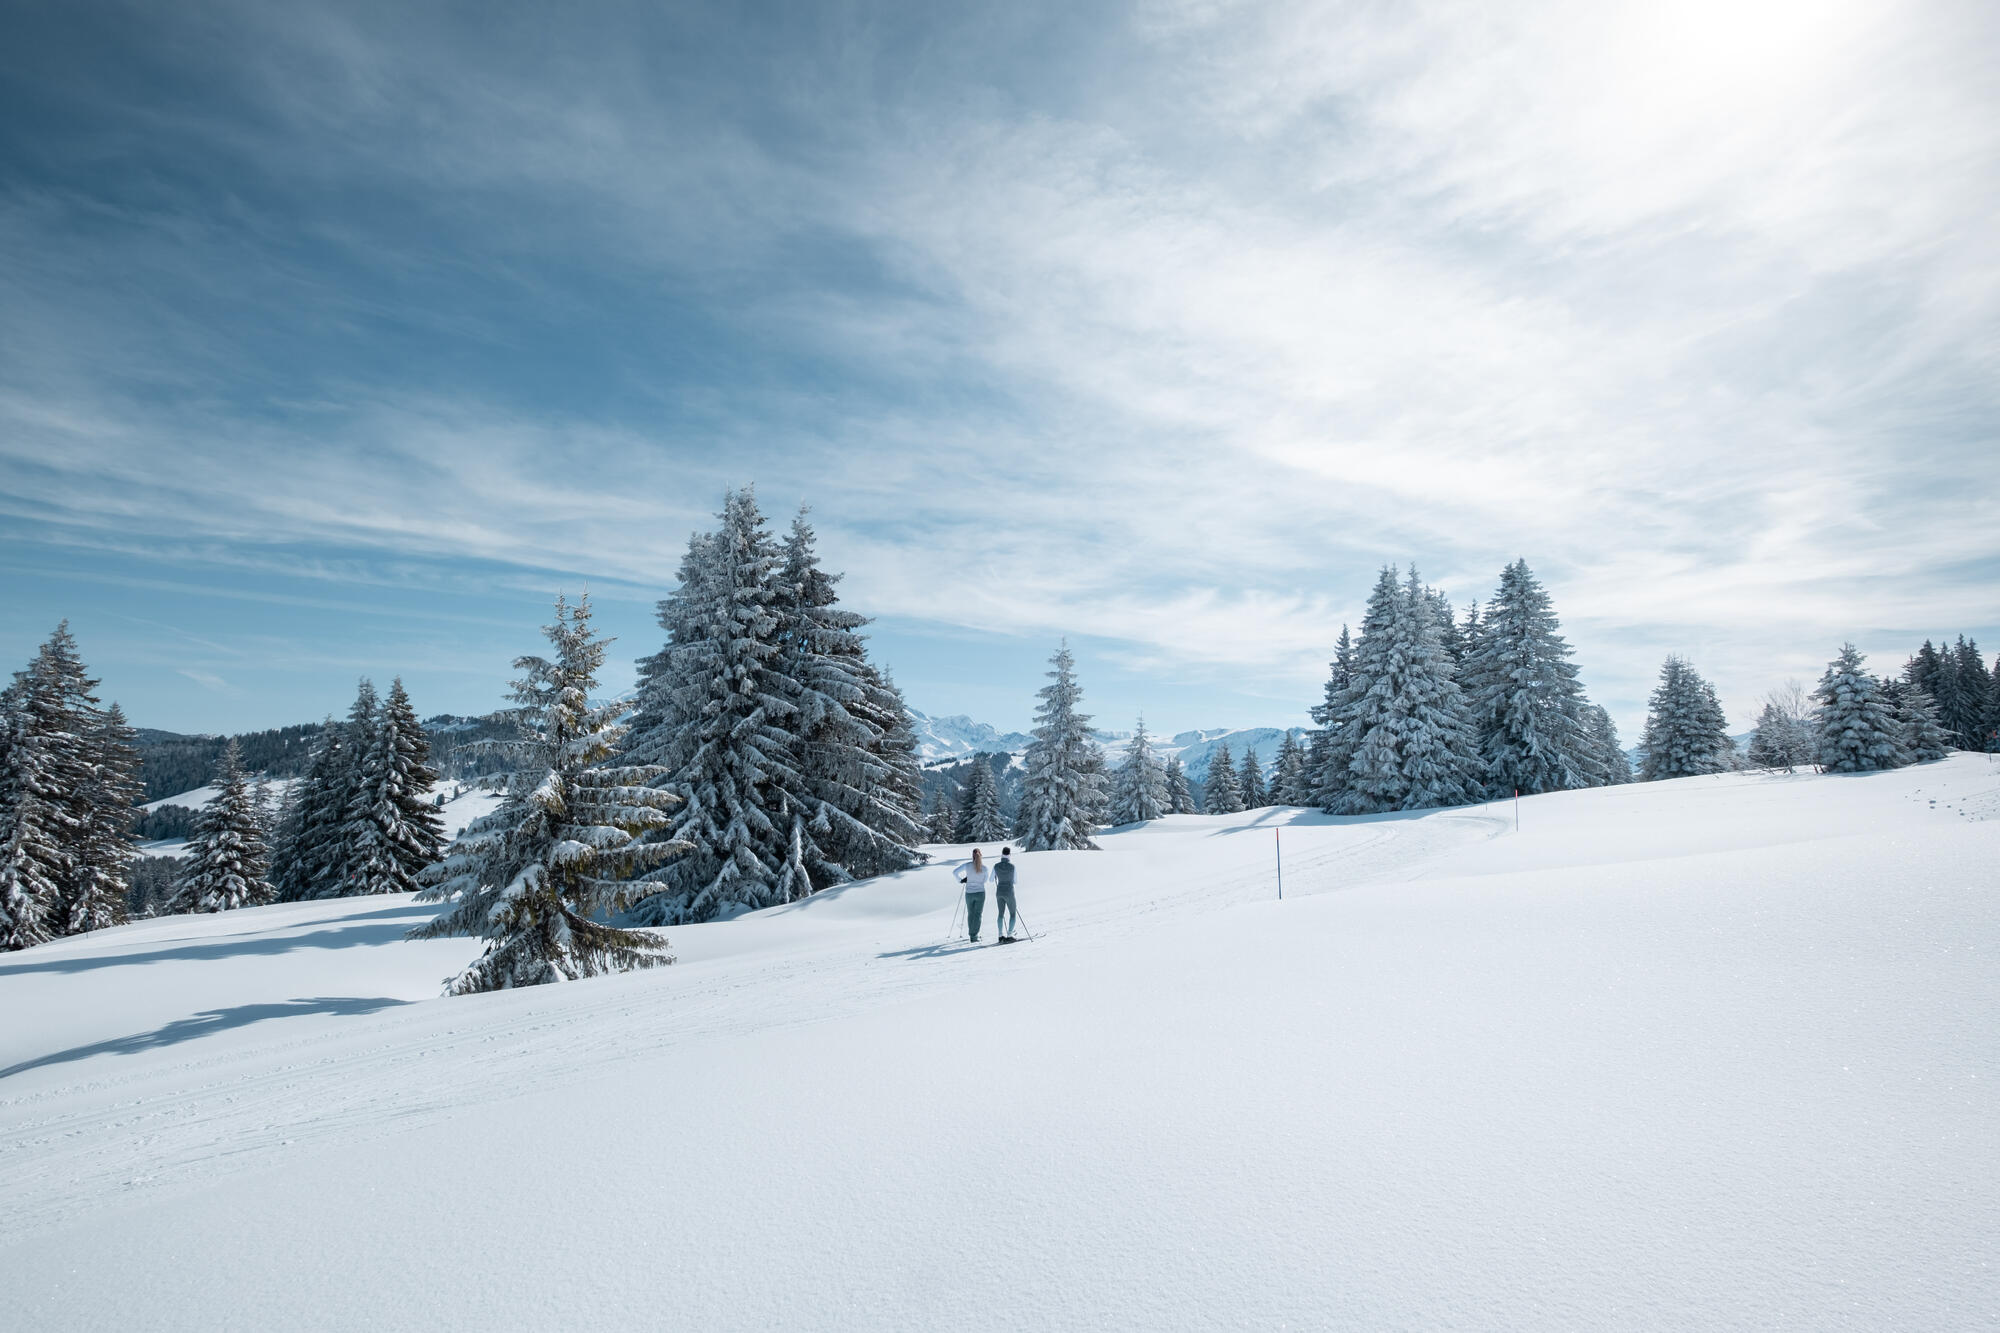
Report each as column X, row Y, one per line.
column 369, row 928
column 206, row 1022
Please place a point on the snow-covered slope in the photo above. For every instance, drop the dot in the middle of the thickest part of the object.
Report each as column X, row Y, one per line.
column 1712, row 1053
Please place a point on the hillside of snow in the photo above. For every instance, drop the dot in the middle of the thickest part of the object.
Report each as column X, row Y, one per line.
column 1713, row 1053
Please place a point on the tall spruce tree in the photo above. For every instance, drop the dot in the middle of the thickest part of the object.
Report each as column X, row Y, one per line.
column 393, row 832
column 304, row 855
column 941, row 820
column 224, row 867
column 1686, row 730
column 717, row 710
column 855, row 803
column 1992, row 723
column 1332, row 746
column 104, row 852
column 1603, row 733
column 32, row 823
column 1858, row 731
column 1139, row 793
column 66, row 718
column 1920, row 734
column 536, row 877
column 337, row 847
column 1288, row 772
column 1063, row 796
column 1222, row 792
column 1403, row 712
column 1250, row 778
column 1524, row 694
column 1971, row 696
column 40, row 827
column 979, row 818
column 1180, row 800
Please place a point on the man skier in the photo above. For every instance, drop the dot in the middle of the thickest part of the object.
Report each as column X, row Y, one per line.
column 1003, row 897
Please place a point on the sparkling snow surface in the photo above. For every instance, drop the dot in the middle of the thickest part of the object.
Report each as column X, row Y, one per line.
column 1721, row 1052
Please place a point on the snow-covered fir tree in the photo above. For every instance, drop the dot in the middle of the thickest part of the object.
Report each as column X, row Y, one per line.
column 941, row 820
column 1139, row 789
column 1180, row 799
column 536, row 877
column 333, row 840
column 1063, row 796
column 1686, row 731
column 224, row 867
column 108, row 811
column 1222, row 792
column 979, row 817
column 1604, row 744
column 393, row 831
column 1450, row 636
column 1331, row 746
column 1992, row 723
column 1250, row 781
column 1402, row 712
column 1919, row 731
column 1524, row 695
column 1288, row 772
column 1857, row 727
column 716, row 709
column 856, row 802
column 1971, row 697
column 305, row 852
column 34, row 822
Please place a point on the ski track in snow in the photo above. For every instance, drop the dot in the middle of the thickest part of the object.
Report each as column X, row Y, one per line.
column 187, row 1119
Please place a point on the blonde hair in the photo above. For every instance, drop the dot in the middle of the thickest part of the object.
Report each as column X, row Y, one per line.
column 978, row 861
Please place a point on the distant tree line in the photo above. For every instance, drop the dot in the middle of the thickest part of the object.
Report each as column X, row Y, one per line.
column 1855, row 721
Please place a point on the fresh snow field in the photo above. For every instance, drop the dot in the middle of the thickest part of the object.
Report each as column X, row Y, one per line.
column 1721, row 1053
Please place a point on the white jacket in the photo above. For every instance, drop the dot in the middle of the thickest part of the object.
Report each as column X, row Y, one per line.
column 975, row 879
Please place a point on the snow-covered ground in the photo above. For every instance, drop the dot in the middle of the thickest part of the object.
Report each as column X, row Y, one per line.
column 1721, row 1052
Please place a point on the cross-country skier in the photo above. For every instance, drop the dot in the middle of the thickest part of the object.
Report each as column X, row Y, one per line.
column 1003, row 897
column 974, row 878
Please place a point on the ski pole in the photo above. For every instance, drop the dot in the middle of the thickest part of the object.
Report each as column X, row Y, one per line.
column 1279, row 842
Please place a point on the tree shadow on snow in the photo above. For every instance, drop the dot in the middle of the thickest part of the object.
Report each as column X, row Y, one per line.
column 206, row 1022
column 381, row 927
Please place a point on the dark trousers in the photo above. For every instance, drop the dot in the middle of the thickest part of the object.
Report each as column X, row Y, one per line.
column 1006, row 916
column 975, row 903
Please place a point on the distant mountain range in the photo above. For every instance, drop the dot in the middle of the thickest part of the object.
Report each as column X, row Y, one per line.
column 957, row 736
column 942, row 739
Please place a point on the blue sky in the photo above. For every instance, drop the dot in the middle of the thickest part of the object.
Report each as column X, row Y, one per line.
column 336, row 340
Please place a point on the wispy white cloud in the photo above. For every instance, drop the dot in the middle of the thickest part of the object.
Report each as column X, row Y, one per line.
column 1694, row 306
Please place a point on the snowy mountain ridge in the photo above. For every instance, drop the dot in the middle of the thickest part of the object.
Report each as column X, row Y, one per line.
column 957, row 736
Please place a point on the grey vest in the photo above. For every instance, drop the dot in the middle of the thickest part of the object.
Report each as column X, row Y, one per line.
column 1003, row 875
